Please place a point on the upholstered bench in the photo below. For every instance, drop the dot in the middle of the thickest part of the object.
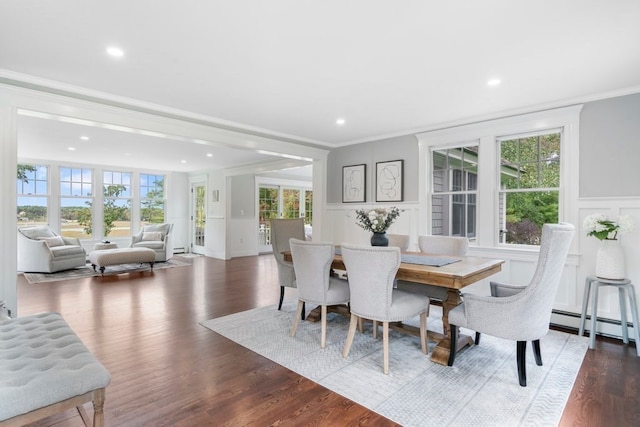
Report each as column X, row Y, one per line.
column 45, row 369
column 106, row 257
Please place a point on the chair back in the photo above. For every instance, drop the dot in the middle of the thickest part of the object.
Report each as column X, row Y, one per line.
column 399, row 240
column 444, row 245
column 312, row 264
column 281, row 231
column 372, row 270
column 537, row 298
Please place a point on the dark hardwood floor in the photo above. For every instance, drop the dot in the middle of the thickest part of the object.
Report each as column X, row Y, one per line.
column 167, row 370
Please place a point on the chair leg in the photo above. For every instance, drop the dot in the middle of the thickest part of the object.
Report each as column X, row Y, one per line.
column 375, row 329
column 521, row 348
column 385, row 346
column 352, row 332
column 323, row 326
column 296, row 318
column 281, row 297
column 477, row 340
column 536, row 352
column 453, row 344
column 303, row 310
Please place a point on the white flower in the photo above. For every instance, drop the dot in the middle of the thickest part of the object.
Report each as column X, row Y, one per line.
column 605, row 228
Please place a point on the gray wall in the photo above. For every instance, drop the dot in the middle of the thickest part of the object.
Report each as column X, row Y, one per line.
column 399, row 148
column 242, row 194
column 610, row 147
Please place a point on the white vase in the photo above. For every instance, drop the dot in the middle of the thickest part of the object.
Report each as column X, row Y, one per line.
column 610, row 260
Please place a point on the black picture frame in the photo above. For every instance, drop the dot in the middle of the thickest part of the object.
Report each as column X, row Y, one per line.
column 390, row 181
column 354, row 183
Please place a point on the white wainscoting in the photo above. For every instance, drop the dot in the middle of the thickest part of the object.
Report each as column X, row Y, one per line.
column 340, row 227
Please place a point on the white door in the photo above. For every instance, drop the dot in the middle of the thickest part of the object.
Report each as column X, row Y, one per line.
column 198, row 217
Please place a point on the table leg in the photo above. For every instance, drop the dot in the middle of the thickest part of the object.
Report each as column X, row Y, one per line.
column 634, row 315
column 441, row 352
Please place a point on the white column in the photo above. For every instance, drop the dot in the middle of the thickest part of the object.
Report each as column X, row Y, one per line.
column 8, row 168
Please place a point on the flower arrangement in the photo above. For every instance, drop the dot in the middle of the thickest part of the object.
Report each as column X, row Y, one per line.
column 606, row 228
column 376, row 220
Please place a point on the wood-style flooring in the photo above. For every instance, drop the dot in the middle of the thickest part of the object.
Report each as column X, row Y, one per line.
column 167, row 370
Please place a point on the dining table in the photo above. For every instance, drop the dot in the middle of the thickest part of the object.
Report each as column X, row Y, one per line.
column 451, row 272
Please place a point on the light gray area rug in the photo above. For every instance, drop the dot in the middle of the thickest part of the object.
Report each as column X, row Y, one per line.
column 84, row 272
column 481, row 389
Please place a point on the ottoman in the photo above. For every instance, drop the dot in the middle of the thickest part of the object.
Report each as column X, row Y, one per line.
column 45, row 368
column 106, row 257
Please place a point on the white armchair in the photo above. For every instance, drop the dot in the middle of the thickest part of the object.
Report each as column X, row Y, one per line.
column 157, row 237
column 515, row 312
column 41, row 250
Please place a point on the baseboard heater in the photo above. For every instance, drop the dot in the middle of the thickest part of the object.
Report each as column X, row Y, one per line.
column 181, row 250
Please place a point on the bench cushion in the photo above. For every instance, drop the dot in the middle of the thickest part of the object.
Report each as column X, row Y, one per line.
column 108, row 257
column 42, row 362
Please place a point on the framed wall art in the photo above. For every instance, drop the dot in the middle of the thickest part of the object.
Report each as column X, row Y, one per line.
column 389, row 181
column 354, row 180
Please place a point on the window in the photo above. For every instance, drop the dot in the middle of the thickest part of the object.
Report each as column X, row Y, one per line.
column 33, row 195
column 76, row 201
column 281, row 201
column 454, row 191
column 152, row 199
column 529, row 190
column 117, row 203
column 498, row 181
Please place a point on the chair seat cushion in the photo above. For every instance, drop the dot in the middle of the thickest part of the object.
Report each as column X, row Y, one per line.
column 149, row 244
column 67, row 250
column 43, row 362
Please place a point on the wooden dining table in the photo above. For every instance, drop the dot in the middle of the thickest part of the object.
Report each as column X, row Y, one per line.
column 464, row 271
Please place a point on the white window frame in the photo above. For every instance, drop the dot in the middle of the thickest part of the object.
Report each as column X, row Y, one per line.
column 487, row 133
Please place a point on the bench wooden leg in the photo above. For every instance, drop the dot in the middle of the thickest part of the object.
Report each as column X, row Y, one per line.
column 98, row 408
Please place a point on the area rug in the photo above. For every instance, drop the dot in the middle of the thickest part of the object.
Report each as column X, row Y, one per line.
column 84, row 272
column 481, row 389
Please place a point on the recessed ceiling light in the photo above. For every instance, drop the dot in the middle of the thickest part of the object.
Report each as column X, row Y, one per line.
column 84, row 138
column 183, row 161
column 126, row 154
column 115, row 51
column 71, row 148
column 493, row 82
column 340, row 122
column 209, row 155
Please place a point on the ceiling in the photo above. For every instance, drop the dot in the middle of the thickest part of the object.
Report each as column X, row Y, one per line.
column 291, row 68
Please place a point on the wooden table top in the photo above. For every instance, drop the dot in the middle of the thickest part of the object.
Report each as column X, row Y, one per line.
column 456, row 275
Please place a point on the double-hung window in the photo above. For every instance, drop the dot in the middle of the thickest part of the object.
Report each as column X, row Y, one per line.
column 117, row 203
column 76, row 201
column 529, row 191
column 33, row 195
column 152, row 199
column 454, row 190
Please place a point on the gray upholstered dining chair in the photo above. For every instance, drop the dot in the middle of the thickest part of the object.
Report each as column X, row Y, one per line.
column 399, row 240
column 519, row 313
column 436, row 245
column 312, row 266
column 372, row 271
column 281, row 231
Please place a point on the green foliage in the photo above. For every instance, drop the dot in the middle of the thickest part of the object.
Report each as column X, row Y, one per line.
column 112, row 212
column 22, row 172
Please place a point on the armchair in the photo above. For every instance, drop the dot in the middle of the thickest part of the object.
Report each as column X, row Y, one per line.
column 41, row 250
column 157, row 237
column 519, row 313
